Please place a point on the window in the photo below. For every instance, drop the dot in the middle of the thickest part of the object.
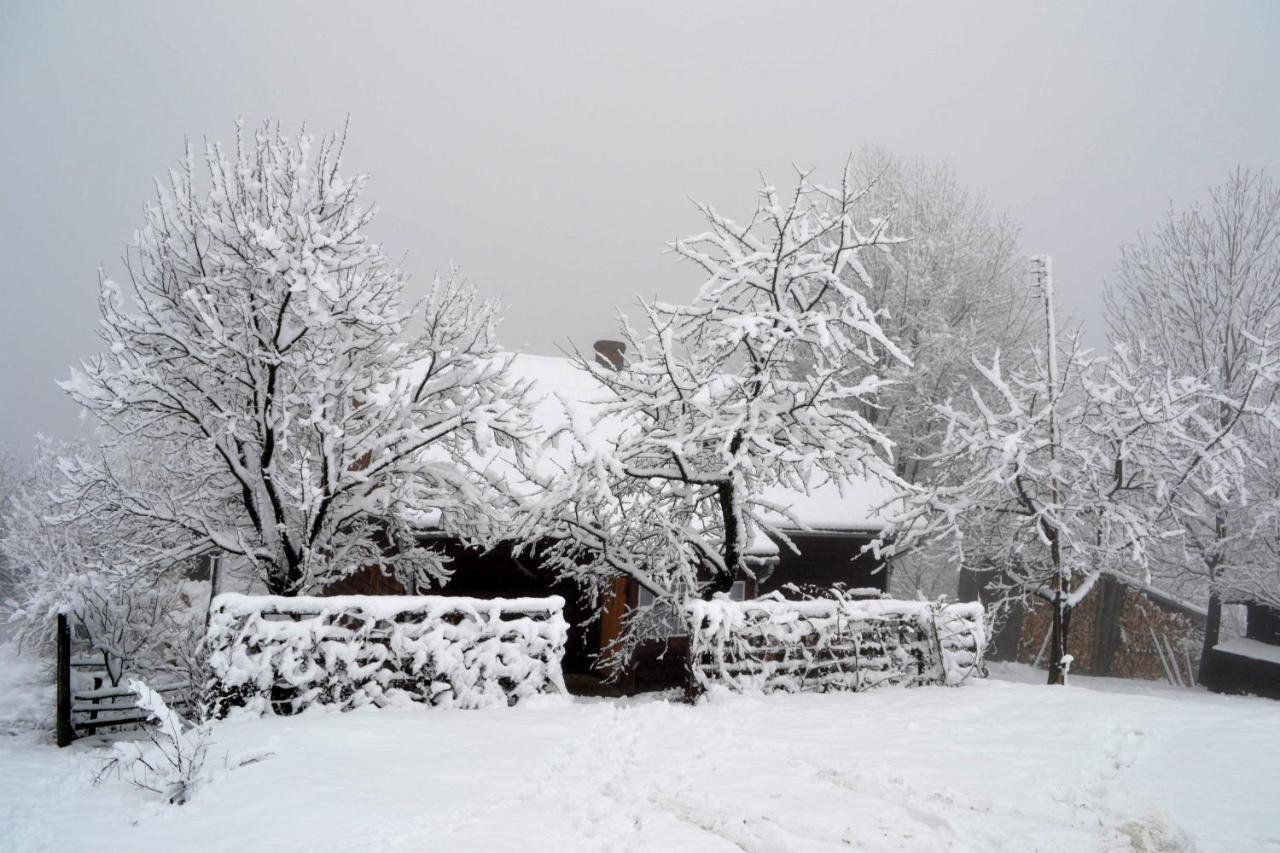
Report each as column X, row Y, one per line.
column 662, row 618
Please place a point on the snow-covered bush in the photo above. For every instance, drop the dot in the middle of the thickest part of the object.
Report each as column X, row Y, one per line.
column 821, row 645
column 348, row 651
column 172, row 762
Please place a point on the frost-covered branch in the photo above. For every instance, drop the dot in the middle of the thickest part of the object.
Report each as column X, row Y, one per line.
column 762, row 381
column 259, row 351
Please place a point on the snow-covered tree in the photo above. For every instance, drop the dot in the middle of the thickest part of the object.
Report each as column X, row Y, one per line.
column 308, row 423
column 1201, row 296
column 136, row 621
column 761, row 381
column 11, row 476
column 1056, row 473
column 952, row 291
column 1257, row 578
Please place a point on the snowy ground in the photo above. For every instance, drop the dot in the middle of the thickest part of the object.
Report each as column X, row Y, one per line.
column 1000, row 765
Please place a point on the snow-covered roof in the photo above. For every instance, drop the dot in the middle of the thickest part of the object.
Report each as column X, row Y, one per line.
column 1161, row 595
column 560, row 385
column 1255, row 649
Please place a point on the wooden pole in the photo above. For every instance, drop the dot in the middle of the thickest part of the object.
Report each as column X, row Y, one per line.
column 63, row 730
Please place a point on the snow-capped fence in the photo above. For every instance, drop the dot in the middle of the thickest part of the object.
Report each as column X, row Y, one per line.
column 821, row 645
column 86, row 700
column 348, row 651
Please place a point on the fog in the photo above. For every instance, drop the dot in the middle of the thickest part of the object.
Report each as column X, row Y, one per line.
column 552, row 149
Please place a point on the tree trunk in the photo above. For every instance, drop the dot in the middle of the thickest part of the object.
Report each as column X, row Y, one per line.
column 1061, row 615
column 284, row 580
column 276, row 583
column 1212, row 628
column 723, row 581
column 1213, row 619
column 215, row 580
column 1058, row 641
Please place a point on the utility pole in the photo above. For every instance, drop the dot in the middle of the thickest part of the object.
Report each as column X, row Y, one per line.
column 1059, row 661
column 1042, row 279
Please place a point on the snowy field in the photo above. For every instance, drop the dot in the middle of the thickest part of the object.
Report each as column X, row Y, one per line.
column 998, row 765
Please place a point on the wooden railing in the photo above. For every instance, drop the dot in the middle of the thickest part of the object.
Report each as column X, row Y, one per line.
column 81, row 712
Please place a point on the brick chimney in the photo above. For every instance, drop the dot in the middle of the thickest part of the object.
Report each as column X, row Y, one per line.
column 611, row 354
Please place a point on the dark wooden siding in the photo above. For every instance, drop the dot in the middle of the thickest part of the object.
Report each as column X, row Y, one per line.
column 1262, row 623
column 1241, row 675
column 826, row 559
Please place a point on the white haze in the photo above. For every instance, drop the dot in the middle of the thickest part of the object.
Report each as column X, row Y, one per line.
column 551, row 149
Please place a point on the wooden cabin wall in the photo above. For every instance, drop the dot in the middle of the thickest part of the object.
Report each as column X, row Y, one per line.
column 1111, row 629
column 826, row 559
column 1262, row 623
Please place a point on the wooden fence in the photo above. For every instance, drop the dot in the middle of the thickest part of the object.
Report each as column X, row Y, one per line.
column 84, row 710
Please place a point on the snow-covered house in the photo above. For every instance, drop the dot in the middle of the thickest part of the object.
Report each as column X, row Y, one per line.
column 837, row 524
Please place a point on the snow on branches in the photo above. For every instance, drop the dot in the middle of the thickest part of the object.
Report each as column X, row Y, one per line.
column 173, row 764
column 135, row 620
column 1200, row 295
column 953, row 289
column 1055, row 482
column 831, row 644
column 259, row 352
column 761, row 382
column 347, row 651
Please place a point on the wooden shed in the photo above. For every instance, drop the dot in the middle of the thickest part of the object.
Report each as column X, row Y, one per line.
column 1123, row 628
column 1249, row 664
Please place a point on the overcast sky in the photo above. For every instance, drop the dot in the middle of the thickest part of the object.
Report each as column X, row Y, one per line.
column 551, row 149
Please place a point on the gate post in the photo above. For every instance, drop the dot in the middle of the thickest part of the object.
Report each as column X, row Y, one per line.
column 63, row 729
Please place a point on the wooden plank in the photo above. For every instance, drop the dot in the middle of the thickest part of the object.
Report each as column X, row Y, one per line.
column 111, row 692
column 91, row 727
column 104, row 708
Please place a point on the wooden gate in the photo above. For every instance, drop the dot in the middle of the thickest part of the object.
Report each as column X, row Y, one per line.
column 83, row 707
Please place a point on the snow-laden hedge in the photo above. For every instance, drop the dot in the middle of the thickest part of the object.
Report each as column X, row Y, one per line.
column 348, row 651
column 820, row 645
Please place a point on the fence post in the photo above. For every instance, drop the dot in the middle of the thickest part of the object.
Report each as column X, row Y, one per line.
column 935, row 618
column 63, row 730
